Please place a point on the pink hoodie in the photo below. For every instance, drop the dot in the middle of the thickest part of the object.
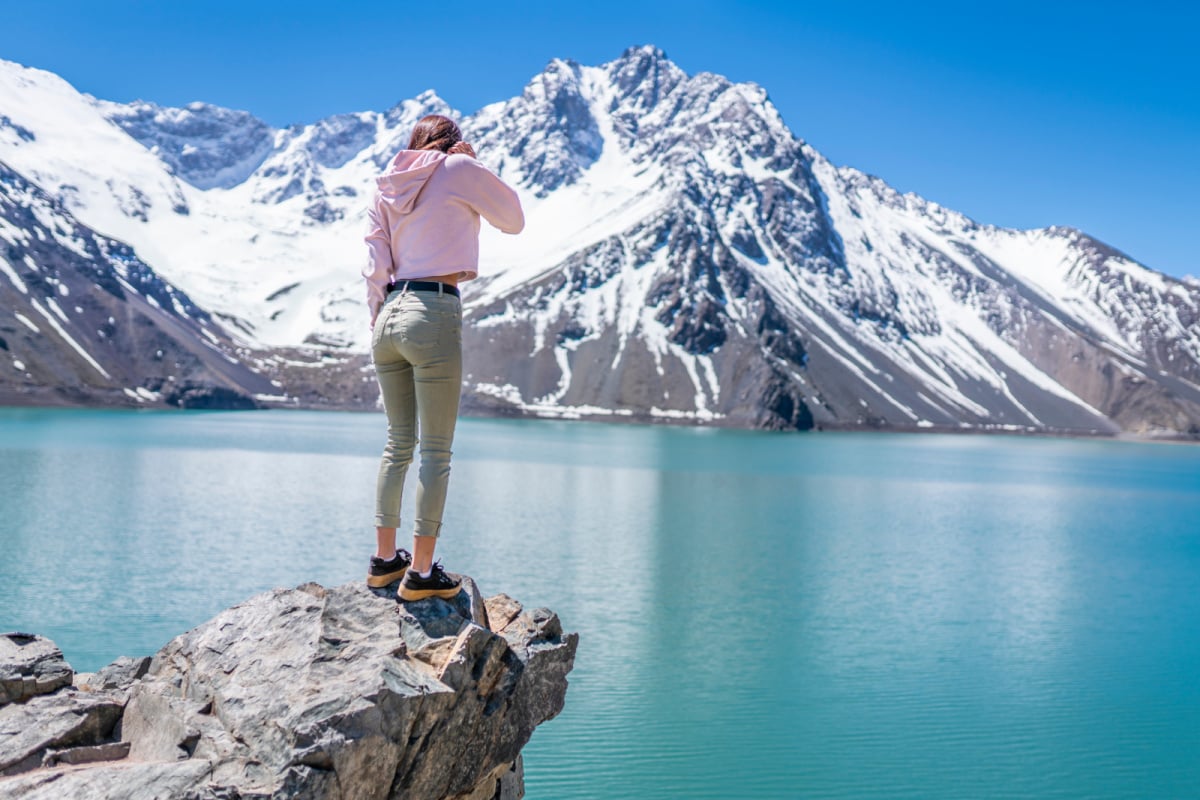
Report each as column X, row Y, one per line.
column 425, row 221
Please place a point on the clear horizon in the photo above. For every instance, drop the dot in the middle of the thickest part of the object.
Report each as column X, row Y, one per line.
column 1014, row 114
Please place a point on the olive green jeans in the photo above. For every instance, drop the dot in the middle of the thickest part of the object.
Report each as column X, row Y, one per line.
column 417, row 349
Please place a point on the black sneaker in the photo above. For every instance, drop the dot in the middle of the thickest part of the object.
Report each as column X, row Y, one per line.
column 381, row 572
column 439, row 584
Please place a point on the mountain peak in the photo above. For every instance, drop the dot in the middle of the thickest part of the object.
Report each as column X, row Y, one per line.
column 431, row 98
column 645, row 75
column 207, row 145
column 560, row 77
column 427, row 102
column 645, row 52
column 21, row 74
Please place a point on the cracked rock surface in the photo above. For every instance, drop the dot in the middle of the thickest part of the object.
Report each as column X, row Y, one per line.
column 305, row 693
column 30, row 665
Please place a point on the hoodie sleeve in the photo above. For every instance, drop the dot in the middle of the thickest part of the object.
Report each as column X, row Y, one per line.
column 492, row 198
column 379, row 267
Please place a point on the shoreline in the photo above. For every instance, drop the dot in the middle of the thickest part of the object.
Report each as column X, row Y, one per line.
column 649, row 420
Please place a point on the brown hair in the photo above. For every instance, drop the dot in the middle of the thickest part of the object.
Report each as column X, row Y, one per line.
column 434, row 132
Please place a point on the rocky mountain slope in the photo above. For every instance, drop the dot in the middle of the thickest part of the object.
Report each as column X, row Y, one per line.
column 737, row 275
column 86, row 321
column 686, row 257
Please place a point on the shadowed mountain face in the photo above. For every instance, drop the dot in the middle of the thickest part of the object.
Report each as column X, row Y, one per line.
column 686, row 257
column 85, row 321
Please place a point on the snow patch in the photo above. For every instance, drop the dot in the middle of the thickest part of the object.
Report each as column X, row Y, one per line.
column 142, row 394
column 12, row 275
column 24, row 320
column 508, row 393
column 66, row 337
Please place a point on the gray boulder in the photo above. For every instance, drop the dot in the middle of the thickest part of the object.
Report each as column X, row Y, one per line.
column 30, row 665
column 308, row 693
column 30, row 731
column 120, row 674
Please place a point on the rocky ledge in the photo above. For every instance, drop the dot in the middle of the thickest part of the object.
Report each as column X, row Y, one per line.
column 338, row 694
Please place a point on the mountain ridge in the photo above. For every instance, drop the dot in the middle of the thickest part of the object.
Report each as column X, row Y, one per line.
column 126, row 337
column 687, row 257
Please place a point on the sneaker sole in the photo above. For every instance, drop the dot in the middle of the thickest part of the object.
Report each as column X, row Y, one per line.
column 422, row 594
column 379, row 581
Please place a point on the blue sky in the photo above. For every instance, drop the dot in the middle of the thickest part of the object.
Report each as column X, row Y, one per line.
column 1019, row 114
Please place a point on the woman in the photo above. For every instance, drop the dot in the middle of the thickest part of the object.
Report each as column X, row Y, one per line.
column 424, row 241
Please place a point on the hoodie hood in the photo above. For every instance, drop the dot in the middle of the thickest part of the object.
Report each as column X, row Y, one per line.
column 410, row 170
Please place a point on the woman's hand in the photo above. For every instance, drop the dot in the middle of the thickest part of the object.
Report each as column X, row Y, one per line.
column 462, row 147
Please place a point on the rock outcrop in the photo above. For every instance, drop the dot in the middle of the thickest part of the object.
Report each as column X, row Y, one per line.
column 30, row 665
column 337, row 694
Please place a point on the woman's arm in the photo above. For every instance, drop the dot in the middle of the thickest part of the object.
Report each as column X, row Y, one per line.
column 492, row 198
column 379, row 267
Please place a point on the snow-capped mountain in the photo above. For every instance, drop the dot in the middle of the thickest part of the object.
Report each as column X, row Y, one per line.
column 261, row 226
column 686, row 256
column 86, row 321
column 732, row 272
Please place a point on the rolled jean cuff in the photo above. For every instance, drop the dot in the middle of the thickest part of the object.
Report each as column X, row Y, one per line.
column 387, row 521
column 427, row 527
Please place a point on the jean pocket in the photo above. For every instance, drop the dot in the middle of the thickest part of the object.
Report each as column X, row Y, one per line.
column 381, row 322
column 424, row 327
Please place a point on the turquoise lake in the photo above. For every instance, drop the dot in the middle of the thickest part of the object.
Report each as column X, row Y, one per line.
column 761, row 615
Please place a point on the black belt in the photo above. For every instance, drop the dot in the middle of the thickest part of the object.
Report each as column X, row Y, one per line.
column 424, row 286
